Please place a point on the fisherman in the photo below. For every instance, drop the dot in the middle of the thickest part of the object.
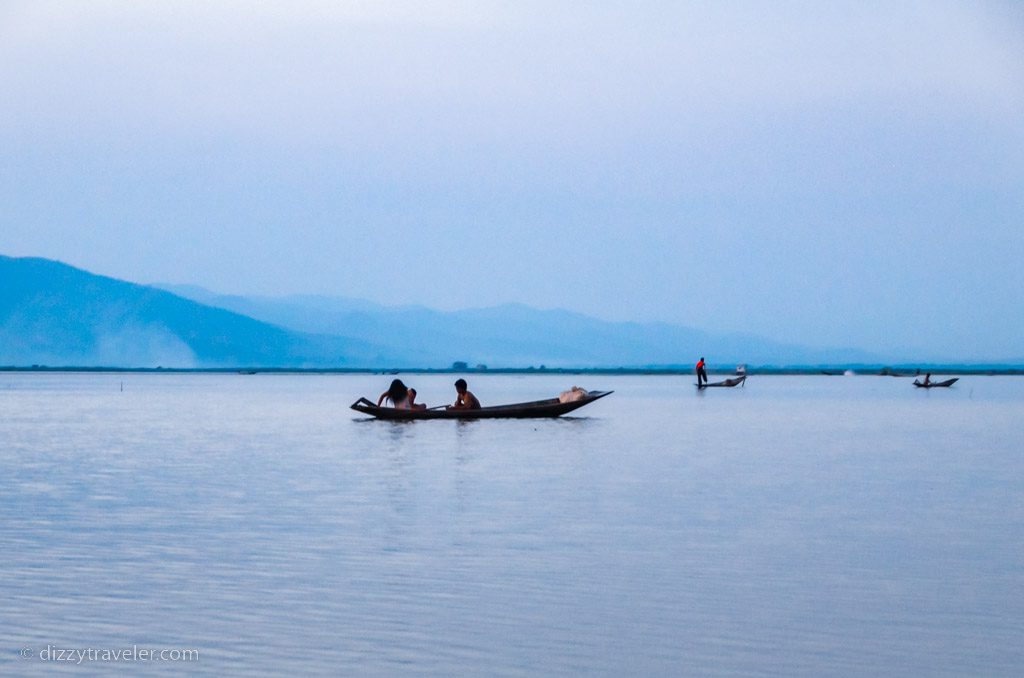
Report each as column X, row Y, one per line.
column 702, row 376
column 465, row 400
column 928, row 379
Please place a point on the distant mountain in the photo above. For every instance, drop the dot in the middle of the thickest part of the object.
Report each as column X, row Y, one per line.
column 515, row 335
column 55, row 314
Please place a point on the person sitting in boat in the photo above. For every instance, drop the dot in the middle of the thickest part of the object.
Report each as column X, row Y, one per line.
column 398, row 394
column 928, row 379
column 702, row 375
column 465, row 400
column 413, row 405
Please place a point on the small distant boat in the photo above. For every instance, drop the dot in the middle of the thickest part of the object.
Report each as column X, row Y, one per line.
column 725, row 383
column 552, row 407
column 936, row 384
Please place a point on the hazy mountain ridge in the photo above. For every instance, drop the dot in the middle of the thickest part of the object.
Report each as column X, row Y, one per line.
column 55, row 314
column 515, row 335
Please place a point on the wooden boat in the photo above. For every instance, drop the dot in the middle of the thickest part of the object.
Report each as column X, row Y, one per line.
column 725, row 383
column 552, row 407
column 937, row 384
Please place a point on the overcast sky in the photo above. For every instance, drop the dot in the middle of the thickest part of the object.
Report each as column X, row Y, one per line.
column 836, row 174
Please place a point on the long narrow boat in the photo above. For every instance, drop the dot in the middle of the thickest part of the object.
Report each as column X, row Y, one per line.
column 937, row 384
column 552, row 407
column 725, row 383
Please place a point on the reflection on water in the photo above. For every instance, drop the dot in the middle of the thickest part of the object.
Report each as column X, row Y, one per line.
column 796, row 526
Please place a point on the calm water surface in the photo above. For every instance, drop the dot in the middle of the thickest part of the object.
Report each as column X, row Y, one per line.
column 812, row 526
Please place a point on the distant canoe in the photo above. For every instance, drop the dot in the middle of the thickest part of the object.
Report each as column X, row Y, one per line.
column 552, row 407
column 725, row 383
column 937, row 384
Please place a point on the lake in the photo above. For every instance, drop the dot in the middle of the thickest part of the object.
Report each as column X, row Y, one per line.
column 809, row 526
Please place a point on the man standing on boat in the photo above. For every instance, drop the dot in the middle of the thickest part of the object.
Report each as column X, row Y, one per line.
column 702, row 376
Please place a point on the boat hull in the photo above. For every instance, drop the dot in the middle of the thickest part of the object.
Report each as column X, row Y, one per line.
column 538, row 409
column 727, row 383
column 937, row 384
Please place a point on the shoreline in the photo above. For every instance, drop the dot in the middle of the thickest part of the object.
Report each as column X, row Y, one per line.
column 901, row 370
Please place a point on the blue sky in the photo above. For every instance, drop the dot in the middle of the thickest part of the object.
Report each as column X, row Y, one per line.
column 844, row 174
